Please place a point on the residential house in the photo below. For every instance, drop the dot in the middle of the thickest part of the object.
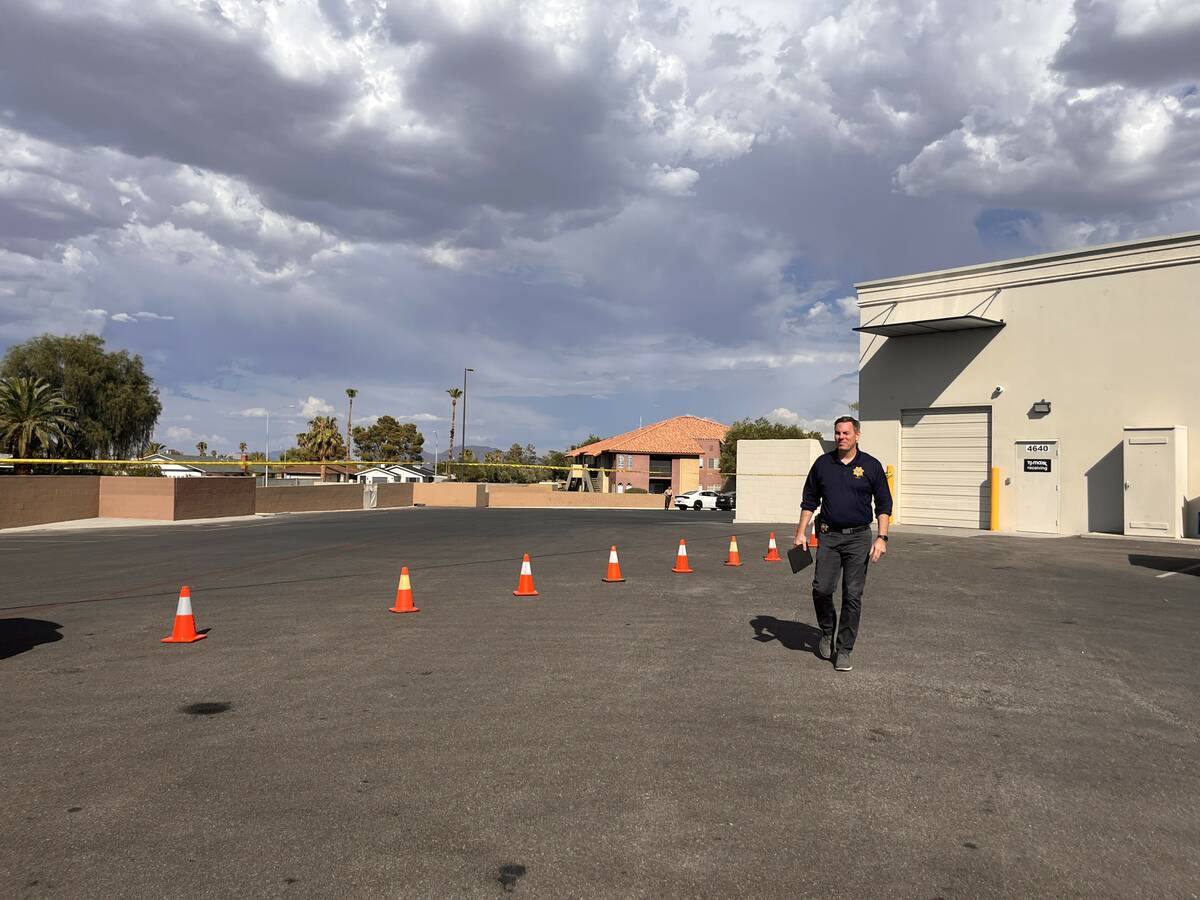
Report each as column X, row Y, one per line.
column 396, row 473
column 682, row 453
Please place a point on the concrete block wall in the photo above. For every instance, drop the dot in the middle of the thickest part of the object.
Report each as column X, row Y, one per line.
column 311, row 498
column 770, row 479
column 572, row 500
column 393, row 496
column 41, row 499
column 446, row 494
column 211, row 498
column 123, row 497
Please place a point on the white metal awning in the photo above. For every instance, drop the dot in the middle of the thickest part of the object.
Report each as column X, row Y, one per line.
column 931, row 326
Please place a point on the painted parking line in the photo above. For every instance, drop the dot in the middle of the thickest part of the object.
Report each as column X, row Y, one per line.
column 1186, row 571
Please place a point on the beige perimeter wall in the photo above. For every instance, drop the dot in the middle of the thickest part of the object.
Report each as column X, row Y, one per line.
column 40, row 499
column 572, row 500
column 445, row 494
column 770, row 479
column 392, row 496
column 1108, row 351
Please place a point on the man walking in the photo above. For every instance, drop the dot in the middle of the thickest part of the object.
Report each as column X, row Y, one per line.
column 844, row 483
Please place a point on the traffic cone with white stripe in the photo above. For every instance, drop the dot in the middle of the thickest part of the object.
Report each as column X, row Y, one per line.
column 681, row 560
column 614, row 567
column 812, row 541
column 404, row 594
column 184, row 631
column 525, row 586
column 772, row 551
column 735, row 558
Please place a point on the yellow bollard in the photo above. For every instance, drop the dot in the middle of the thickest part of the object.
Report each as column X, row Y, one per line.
column 890, row 472
column 995, row 523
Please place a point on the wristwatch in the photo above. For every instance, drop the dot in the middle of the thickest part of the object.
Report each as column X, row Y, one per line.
column 883, row 537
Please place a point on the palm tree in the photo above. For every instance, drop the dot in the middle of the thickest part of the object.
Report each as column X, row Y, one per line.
column 322, row 441
column 351, row 393
column 454, row 393
column 242, row 447
column 32, row 415
column 153, row 447
column 201, row 447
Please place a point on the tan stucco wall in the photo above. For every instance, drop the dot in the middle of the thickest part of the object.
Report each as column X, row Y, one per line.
column 310, row 498
column 1108, row 351
column 574, row 500
column 494, row 489
column 770, row 478
column 391, row 496
column 456, row 495
column 40, row 499
column 210, row 498
column 138, row 498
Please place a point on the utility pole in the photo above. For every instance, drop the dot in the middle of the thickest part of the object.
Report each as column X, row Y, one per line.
column 461, row 467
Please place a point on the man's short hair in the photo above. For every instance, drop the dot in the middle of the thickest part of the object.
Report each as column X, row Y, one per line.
column 853, row 421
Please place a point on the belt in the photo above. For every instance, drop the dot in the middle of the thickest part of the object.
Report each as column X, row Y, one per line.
column 854, row 529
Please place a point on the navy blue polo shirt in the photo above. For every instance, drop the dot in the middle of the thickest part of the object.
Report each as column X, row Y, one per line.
column 844, row 491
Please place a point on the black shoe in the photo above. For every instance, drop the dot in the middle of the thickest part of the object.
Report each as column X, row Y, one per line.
column 843, row 663
column 825, row 647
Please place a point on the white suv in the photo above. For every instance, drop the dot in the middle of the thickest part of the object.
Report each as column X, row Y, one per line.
column 697, row 500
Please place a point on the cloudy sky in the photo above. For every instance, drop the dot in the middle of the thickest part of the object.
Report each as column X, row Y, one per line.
column 612, row 210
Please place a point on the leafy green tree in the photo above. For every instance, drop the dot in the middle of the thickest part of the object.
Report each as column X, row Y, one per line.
column 757, row 430
column 256, row 456
column 116, row 405
column 323, row 441
column 33, row 418
column 559, row 460
column 591, row 439
column 388, row 439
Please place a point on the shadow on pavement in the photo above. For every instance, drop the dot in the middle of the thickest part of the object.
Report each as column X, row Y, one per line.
column 19, row 635
column 1184, row 565
column 793, row 635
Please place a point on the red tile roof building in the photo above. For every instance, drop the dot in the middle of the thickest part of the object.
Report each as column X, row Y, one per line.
column 682, row 453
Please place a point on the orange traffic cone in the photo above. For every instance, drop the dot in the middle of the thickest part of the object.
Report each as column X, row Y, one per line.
column 735, row 558
column 614, row 567
column 681, row 560
column 525, row 586
column 812, row 541
column 772, row 551
column 404, row 595
column 184, row 631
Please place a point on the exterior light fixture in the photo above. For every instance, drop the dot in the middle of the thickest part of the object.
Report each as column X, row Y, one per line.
column 1042, row 407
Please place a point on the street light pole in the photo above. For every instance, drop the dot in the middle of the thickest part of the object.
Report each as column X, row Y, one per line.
column 461, row 467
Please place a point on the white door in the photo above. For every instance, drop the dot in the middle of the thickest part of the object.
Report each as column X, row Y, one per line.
column 1036, row 476
column 945, row 464
column 1155, row 481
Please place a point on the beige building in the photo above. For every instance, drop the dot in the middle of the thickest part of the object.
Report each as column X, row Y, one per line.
column 1072, row 375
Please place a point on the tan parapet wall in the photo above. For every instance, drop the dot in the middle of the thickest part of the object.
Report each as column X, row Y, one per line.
column 470, row 495
column 42, row 499
column 392, row 496
column 212, row 498
column 770, row 479
column 689, row 474
column 573, row 500
column 123, row 497
column 310, row 498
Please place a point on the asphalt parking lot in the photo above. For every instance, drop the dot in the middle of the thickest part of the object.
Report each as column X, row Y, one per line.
column 1022, row 720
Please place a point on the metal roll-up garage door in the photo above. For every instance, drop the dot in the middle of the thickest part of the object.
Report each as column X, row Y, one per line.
column 945, row 459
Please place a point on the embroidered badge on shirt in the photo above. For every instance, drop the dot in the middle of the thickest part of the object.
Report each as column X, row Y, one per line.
column 858, row 472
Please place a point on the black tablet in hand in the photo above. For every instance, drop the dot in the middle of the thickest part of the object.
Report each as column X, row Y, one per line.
column 800, row 558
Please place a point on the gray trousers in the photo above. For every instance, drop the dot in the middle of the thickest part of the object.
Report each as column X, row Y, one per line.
column 847, row 555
